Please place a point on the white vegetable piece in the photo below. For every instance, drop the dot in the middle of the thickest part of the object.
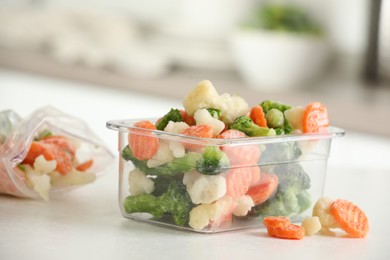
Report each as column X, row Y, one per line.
column 214, row 214
column 176, row 127
column 43, row 166
column 163, row 155
column 322, row 210
column 312, row 225
column 38, row 181
column 178, row 149
column 203, row 117
column 139, row 183
column 205, row 188
column 244, row 205
column 295, row 117
column 204, row 95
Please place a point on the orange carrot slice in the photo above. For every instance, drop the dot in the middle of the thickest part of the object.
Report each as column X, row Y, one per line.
column 190, row 120
column 84, row 166
column 143, row 143
column 264, row 189
column 238, row 181
column 276, row 221
column 240, row 155
column 36, row 149
column 257, row 116
column 201, row 131
column 350, row 218
column 62, row 142
column 315, row 118
column 291, row 231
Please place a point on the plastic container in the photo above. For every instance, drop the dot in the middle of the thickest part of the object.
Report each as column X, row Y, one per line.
column 63, row 134
column 218, row 196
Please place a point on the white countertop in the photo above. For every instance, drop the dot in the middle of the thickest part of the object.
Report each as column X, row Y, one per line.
column 87, row 224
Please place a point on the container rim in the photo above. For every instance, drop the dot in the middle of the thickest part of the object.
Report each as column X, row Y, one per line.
column 127, row 125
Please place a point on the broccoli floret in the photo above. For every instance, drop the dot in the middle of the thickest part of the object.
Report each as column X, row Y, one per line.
column 292, row 197
column 280, row 153
column 267, row 105
column 173, row 115
column 172, row 168
column 246, row 125
column 175, row 201
column 292, row 178
column 213, row 161
column 214, row 112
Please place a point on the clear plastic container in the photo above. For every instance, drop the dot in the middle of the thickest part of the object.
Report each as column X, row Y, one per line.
column 281, row 175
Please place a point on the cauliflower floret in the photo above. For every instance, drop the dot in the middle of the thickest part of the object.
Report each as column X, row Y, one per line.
column 176, row 127
column 231, row 107
column 178, row 149
column 211, row 214
column 190, row 177
column 139, row 183
column 204, row 95
column 312, row 225
column 43, row 166
column 163, row 155
column 322, row 210
column 205, row 188
column 37, row 176
column 203, row 117
column 39, row 182
column 295, row 117
column 244, row 205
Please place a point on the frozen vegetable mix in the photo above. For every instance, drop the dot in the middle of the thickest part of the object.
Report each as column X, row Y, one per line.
column 218, row 161
column 48, row 152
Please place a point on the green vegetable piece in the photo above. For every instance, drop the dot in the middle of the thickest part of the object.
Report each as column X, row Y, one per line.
column 213, row 161
column 267, row 105
column 275, row 118
column 22, row 167
column 281, row 152
column 292, row 197
column 173, row 115
column 214, row 112
column 246, row 125
column 175, row 201
column 175, row 167
column 43, row 134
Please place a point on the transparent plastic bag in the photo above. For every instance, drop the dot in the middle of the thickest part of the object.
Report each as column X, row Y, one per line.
column 52, row 136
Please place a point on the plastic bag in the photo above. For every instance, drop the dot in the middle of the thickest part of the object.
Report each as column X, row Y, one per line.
column 48, row 152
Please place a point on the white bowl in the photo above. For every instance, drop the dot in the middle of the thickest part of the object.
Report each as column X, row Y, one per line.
column 277, row 61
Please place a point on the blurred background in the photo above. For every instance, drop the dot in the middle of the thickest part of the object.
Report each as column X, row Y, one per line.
column 295, row 51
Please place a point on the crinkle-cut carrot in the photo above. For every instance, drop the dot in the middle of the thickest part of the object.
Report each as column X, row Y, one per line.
column 315, row 118
column 350, row 218
column 276, row 221
column 143, row 143
column 257, row 115
column 84, row 166
column 264, row 189
column 190, row 120
column 201, row 131
column 238, row 181
column 281, row 227
column 243, row 155
column 62, row 142
column 291, row 231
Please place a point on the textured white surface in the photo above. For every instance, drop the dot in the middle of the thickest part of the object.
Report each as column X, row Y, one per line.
column 87, row 224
